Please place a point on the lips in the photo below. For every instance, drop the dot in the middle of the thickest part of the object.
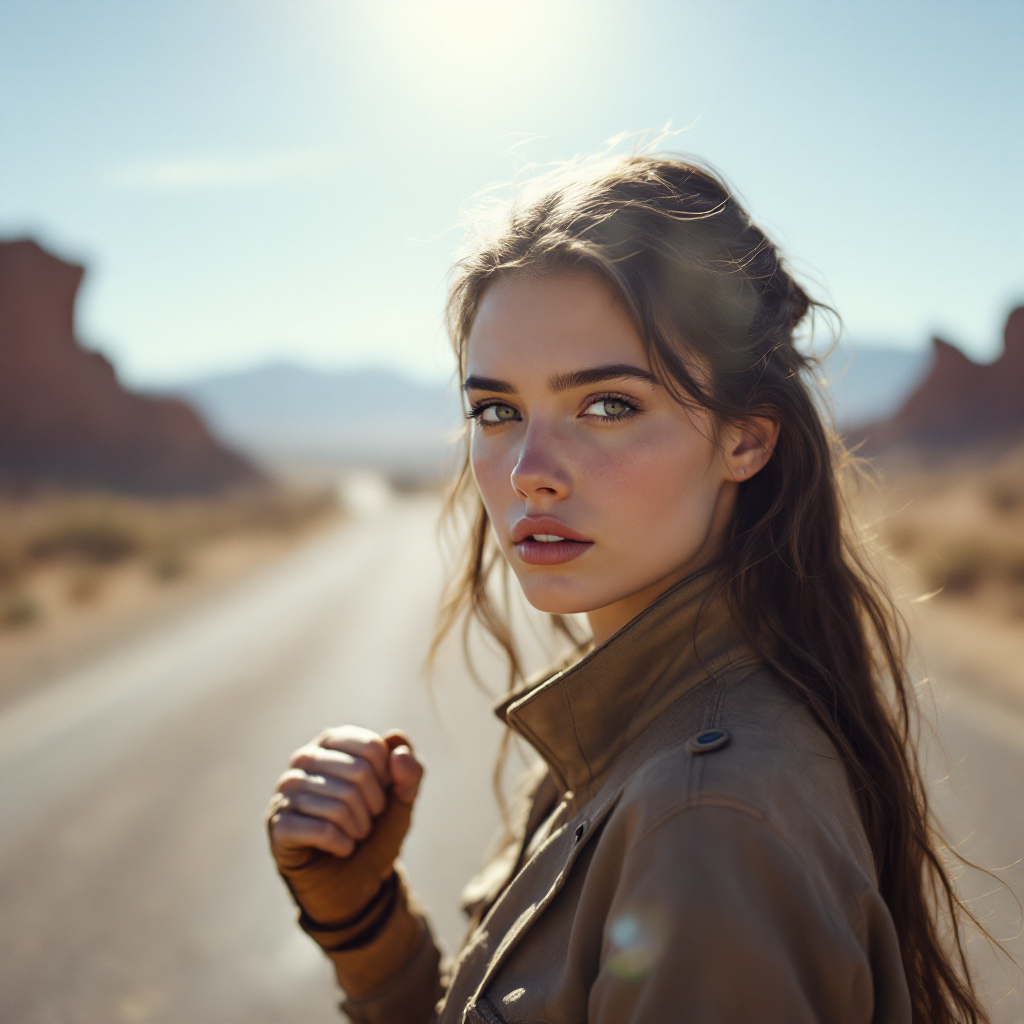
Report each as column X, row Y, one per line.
column 542, row 540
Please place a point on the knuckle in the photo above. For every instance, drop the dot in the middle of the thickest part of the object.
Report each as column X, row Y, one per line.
column 324, row 829
column 282, row 825
column 349, row 794
column 347, row 820
column 306, row 760
column 291, row 780
column 299, row 757
column 341, row 734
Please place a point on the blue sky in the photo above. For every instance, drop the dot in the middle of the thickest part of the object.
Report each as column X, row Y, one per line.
column 258, row 179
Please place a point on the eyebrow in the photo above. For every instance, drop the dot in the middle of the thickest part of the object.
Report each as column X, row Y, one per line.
column 566, row 381
column 611, row 371
column 502, row 387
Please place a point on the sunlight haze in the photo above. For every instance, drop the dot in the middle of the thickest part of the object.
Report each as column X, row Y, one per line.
column 261, row 180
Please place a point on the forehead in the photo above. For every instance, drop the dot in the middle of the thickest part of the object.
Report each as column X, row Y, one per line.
column 528, row 326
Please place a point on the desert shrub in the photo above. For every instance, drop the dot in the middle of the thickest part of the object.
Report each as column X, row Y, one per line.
column 12, row 564
column 85, row 586
column 19, row 609
column 1005, row 496
column 168, row 564
column 956, row 569
column 101, row 540
column 1015, row 569
column 92, row 533
column 961, row 566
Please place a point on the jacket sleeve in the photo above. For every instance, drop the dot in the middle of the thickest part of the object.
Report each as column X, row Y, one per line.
column 744, row 932
column 409, row 994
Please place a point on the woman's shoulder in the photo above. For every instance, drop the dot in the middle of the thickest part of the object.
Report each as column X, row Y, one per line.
column 761, row 761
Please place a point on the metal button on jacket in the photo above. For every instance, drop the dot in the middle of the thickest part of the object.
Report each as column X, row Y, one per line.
column 708, row 740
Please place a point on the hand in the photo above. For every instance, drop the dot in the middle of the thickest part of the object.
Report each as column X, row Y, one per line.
column 338, row 818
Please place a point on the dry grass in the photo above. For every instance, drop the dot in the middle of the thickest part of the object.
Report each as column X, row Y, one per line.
column 960, row 528
column 86, row 537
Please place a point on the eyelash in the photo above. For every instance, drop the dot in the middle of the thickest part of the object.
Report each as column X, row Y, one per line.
column 633, row 408
column 477, row 412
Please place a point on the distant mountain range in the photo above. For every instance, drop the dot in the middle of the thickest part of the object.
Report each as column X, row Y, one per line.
column 283, row 414
column 865, row 383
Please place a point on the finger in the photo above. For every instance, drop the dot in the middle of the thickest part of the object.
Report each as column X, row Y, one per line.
column 407, row 773
column 396, row 738
column 293, row 834
column 359, row 743
column 295, row 782
column 337, row 764
column 356, row 823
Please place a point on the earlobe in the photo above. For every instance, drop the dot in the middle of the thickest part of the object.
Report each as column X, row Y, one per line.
column 754, row 441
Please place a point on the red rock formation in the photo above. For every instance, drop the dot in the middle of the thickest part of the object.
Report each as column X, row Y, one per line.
column 961, row 402
column 64, row 418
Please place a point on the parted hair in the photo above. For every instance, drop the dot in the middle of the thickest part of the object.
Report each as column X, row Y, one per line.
column 707, row 289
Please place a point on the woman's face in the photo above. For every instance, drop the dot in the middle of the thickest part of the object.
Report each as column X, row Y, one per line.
column 601, row 489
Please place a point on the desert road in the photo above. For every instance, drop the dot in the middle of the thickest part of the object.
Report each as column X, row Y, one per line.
column 135, row 885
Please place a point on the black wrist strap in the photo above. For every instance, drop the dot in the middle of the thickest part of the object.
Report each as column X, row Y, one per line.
column 376, row 913
column 368, row 934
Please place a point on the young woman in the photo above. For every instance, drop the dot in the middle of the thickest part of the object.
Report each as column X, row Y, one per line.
column 727, row 823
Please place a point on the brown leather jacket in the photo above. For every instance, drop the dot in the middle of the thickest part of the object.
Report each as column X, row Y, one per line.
column 689, row 851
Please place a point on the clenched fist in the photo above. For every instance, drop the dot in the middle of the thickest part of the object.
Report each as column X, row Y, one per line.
column 338, row 818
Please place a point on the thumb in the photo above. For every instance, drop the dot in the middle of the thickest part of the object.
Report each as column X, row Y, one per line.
column 405, row 769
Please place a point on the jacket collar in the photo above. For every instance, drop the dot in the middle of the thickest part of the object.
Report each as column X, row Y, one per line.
column 582, row 717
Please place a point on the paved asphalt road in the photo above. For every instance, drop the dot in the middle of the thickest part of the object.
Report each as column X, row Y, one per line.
column 134, row 882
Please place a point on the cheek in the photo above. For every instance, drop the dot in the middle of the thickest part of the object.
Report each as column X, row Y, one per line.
column 664, row 487
column 492, row 473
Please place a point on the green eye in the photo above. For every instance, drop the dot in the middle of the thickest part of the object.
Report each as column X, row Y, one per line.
column 608, row 408
column 498, row 414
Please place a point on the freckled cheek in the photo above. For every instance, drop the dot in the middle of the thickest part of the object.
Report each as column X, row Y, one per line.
column 492, row 466
column 658, row 489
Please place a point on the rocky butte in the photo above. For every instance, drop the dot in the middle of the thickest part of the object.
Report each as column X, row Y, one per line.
column 961, row 403
column 66, row 421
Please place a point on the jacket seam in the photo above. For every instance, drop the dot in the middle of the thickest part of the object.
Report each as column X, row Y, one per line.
column 576, row 736
column 725, row 803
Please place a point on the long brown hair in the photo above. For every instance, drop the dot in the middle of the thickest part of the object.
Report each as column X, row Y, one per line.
column 705, row 287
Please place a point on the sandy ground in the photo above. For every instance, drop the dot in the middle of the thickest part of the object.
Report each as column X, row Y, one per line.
column 120, row 601
column 970, row 645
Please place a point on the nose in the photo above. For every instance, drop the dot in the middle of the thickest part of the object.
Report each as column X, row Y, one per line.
column 539, row 473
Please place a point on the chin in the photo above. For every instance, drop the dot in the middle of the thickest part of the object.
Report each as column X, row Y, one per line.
column 560, row 597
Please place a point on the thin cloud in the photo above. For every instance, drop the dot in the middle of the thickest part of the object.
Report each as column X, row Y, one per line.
column 194, row 174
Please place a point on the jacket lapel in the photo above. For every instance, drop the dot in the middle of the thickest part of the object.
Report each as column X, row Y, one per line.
column 522, row 902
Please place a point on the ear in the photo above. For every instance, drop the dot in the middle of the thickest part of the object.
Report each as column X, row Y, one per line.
column 748, row 445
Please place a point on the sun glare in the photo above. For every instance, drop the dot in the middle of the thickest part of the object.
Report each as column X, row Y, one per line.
column 482, row 52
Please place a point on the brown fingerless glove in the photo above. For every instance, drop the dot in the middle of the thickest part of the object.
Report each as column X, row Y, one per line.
column 357, row 908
